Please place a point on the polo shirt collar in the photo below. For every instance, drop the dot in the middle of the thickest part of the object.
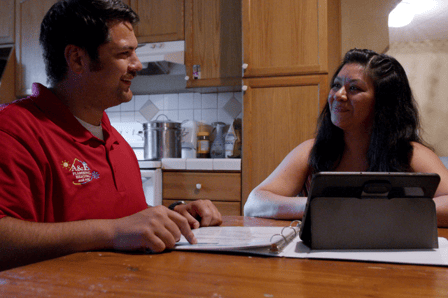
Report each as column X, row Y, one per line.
column 55, row 110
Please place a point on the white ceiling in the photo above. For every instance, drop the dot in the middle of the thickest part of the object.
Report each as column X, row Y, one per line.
column 432, row 24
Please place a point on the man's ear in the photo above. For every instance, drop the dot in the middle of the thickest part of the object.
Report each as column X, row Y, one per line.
column 75, row 58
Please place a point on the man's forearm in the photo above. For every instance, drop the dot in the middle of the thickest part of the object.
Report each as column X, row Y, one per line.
column 23, row 242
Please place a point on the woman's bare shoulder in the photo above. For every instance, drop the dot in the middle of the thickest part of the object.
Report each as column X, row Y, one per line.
column 423, row 158
column 305, row 146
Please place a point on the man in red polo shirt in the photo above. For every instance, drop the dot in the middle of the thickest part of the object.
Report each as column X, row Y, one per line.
column 69, row 181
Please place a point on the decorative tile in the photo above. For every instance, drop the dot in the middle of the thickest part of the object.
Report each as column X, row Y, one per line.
column 233, row 108
column 140, row 100
column 223, row 98
column 157, row 100
column 140, row 118
column 238, row 96
column 224, row 117
column 148, row 110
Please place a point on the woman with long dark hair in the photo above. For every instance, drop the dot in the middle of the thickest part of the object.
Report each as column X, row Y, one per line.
column 370, row 123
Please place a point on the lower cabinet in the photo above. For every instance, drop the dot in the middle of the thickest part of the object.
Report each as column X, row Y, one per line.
column 222, row 188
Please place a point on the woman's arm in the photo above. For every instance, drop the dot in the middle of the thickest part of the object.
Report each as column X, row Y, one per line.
column 276, row 197
column 426, row 161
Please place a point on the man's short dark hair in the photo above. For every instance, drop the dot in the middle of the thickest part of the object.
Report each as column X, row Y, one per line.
column 83, row 23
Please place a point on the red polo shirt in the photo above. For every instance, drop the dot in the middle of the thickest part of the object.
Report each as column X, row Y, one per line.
column 53, row 170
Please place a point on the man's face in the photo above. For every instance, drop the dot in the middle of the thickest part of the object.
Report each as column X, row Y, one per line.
column 109, row 78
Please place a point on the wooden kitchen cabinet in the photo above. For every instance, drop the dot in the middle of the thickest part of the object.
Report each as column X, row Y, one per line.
column 30, row 64
column 279, row 114
column 160, row 20
column 291, row 49
column 222, row 188
column 213, row 42
column 7, row 21
column 290, row 37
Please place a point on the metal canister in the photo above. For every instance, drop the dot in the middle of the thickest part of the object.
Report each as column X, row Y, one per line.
column 163, row 139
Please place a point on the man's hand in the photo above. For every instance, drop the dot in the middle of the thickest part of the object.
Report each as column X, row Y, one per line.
column 202, row 210
column 156, row 228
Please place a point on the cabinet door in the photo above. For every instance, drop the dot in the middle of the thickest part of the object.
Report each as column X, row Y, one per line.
column 160, row 20
column 279, row 114
column 213, row 42
column 30, row 66
column 223, row 189
column 6, row 21
column 290, row 37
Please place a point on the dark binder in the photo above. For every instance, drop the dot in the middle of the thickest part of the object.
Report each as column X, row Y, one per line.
column 371, row 210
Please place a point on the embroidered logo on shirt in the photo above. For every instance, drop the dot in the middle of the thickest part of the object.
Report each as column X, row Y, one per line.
column 81, row 172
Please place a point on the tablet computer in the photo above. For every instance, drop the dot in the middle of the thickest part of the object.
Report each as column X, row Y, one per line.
column 374, row 210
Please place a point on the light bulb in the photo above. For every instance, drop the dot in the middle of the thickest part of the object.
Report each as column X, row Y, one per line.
column 402, row 15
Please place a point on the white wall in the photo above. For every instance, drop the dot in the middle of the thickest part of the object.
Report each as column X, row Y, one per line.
column 364, row 24
column 426, row 64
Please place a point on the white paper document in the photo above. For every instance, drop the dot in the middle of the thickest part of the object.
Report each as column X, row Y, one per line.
column 234, row 238
column 259, row 240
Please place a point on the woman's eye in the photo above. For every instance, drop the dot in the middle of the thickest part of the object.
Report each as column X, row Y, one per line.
column 354, row 88
column 336, row 85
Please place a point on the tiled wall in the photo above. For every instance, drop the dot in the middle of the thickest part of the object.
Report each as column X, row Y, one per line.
column 206, row 108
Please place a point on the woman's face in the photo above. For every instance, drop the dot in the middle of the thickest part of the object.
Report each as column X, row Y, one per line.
column 352, row 99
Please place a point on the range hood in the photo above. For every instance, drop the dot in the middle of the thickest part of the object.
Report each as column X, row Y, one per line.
column 163, row 68
column 171, row 51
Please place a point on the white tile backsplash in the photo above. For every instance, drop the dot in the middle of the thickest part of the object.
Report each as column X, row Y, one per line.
column 210, row 101
column 186, row 115
column 140, row 101
column 171, row 102
column 197, row 98
column 223, row 98
column 157, row 100
column 209, row 115
column 207, row 107
column 127, row 116
column 128, row 106
column 186, row 101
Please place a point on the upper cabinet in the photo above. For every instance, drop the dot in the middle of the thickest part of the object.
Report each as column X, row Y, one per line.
column 291, row 49
column 213, row 42
column 290, row 37
column 160, row 20
column 7, row 21
column 30, row 64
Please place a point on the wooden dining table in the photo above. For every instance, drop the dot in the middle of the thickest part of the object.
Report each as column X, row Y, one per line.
column 216, row 275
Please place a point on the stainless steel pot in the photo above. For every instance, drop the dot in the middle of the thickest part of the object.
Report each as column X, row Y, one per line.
column 163, row 139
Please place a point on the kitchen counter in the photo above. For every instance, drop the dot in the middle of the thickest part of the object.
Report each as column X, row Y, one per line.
column 205, row 164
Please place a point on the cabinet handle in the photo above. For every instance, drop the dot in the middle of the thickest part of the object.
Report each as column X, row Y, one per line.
column 187, row 78
column 198, row 186
column 245, row 65
column 244, row 87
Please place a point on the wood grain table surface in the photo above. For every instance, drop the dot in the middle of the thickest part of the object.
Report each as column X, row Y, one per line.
column 192, row 274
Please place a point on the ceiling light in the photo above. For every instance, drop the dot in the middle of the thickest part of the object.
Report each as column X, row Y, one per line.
column 402, row 15
column 405, row 11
